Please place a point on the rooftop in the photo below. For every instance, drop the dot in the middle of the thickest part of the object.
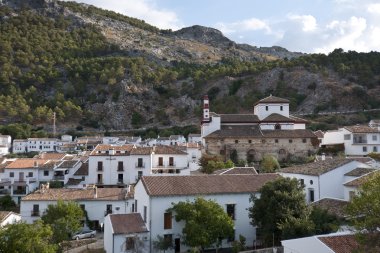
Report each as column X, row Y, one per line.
column 273, row 100
column 237, row 171
column 168, row 150
column 361, row 129
column 275, row 117
column 24, row 163
column 83, row 170
column 51, row 156
column 316, row 168
column 358, row 172
column 108, row 194
column 332, row 206
column 103, row 149
column 4, row 215
column 239, row 118
column 206, row 184
column 127, row 223
column 340, row 243
column 360, row 180
column 295, row 133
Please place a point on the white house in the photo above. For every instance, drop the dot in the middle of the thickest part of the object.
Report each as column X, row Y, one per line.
column 5, row 144
column 42, row 144
column 169, row 159
column 125, row 233
column 20, row 146
column 162, row 141
column 154, row 195
column 323, row 179
column 98, row 202
column 351, row 187
column 177, row 139
column 7, row 217
column 194, row 138
column 330, row 243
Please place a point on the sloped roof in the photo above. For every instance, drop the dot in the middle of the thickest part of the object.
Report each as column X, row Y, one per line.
column 275, row 117
column 239, row 118
column 295, row 133
column 236, row 131
column 237, row 171
column 23, row 163
column 167, row 150
column 68, row 164
column 358, row 172
column 4, row 215
column 340, row 243
column 273, row 100
column 360, row 180
column 316, row 168
column 206, row 184
column 141, row 151
column 102, row 149
column 74, row 181
column 51, row 156
column 127, row 223
column 83, row 170
column 319, row 134
column 361, row 129
column 332, row 206
column 76, row 194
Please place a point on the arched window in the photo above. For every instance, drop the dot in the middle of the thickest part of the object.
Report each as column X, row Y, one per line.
column 251, row 155
column 277, row 127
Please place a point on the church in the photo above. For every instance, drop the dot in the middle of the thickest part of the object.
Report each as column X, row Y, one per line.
column 270, row 129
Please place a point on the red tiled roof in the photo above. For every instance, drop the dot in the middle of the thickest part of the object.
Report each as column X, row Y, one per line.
column 207, row 184
column 319, row 134
column 239, row 118
column 275, row 117
column 340, row 243
column 361, row 129
column 332, row 206
column 237, row 171
column 51, row 156
column 316, row 168
column 23, row 163
column 76, row 194
column 167, row 150
column 127, row 223
column 360, row 180
column 102, row 149
column 272, row 100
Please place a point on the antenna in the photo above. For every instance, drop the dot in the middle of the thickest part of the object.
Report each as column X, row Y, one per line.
column 54, row 117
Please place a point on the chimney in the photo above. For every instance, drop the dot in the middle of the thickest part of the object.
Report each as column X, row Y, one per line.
column 95, row 192
column 323, row 157
column 35, row 163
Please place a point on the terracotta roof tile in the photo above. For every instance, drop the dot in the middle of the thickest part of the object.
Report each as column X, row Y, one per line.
column 359, row 172
column 296, row 133
column 273, row 100
column 362, row 129
column 239, row 118
column 275, row 117
column 74, row 181
column 316, row 168
column 206, row 184
column 332, row 206
column 141, row 151
column 360, row 180
column 76, row 194
column 164, row 149
column 103, row 149
column 51, row 156
column 23, row 163
column 319, row 134
column 340, row 243
column 236, row 131
column 83, row 170
column 237, row 171
column 127, row 223
column 4, row 215
column 68, row 164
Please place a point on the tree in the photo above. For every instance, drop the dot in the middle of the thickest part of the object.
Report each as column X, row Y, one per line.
column 162, row 243
column 324, row 222
column 288, row 215
column 27, row 238
column 206, row 223
column 364, row 211
column 269, row 164
column 7, row 203
column 64, row 218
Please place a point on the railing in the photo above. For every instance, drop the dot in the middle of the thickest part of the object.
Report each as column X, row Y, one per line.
column 166, row 164
column 100, row 168
column 100, row 182
column 58, row 177
column 120, row 181
column 19, row 192
column 35, row 213
column 140, row 165
column 4, row 191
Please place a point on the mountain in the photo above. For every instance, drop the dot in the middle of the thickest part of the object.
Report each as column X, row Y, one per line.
column 98, row 69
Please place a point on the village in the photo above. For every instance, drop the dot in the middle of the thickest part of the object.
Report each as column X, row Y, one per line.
column 128, row 186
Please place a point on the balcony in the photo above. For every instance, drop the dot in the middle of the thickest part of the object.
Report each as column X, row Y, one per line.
column 120, row 181
column 166, row 165
column 19, row 192
column 140, row 165
column 59, row 177
column 5, row 192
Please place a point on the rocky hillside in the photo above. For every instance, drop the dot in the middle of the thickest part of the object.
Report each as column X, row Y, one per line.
column 99, row 69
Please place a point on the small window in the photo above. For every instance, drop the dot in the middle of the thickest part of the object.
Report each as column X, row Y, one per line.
column 167, row 220
column 160, row 161
column 311, row 182
column 30, row 174
column 302, row 182
column 266, row 108
column 304, row 140
column 120, row 166
column 311, row 195
column 231, row 211
column 145, row 213
column 46, row 173
column 281, row 108
column 275, row 140
column 139, row 174
column 236, row 141
column 277, row 127
column 168, row 238
column 374, row 149
column 130, row 243
column 100, row 166
column 250, row 141
column 374, row 137
column 11, row 174
column 364, row 149
column 347, row 137
column 290, row 141
column 263, row 141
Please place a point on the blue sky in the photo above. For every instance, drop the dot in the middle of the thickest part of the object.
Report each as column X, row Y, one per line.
column 298, row 25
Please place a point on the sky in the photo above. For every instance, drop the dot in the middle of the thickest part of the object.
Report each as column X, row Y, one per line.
column 309, row 26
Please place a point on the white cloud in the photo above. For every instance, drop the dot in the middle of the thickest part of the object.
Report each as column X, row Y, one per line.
column 146, row 10
column 309, row 23
column 373, row 8
column 252, row 24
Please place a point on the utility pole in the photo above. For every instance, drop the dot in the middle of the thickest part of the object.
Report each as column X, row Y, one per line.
column 54, row 116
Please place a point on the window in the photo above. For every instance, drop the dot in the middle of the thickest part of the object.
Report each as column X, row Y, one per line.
column 160, row 161
column 374, row 137
column 11, row 174
column 46, row 173
column 374, row 149
column 347, row 137
column 167, row 220
column 120, row 178
column 168, row 238
column 364, row 149
column 145, row 212
column 171, row 161
column 100, row 178
column 311, row 195
column 304, row 140
column 311, row 182
column 302, row 182
column 130, row 243
column 30, row 174
column 275, row 140
column 140, row 162
column 290, row 141
column 36, row 210
column 282, row 151
column 277, row 127
column 266, row 108
column 120, row 166
column 236, row 141
column 231, row 211
column 250, row 141
column 100, row 166
column 139, row 174
column 108, row 209
column 281, row 108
